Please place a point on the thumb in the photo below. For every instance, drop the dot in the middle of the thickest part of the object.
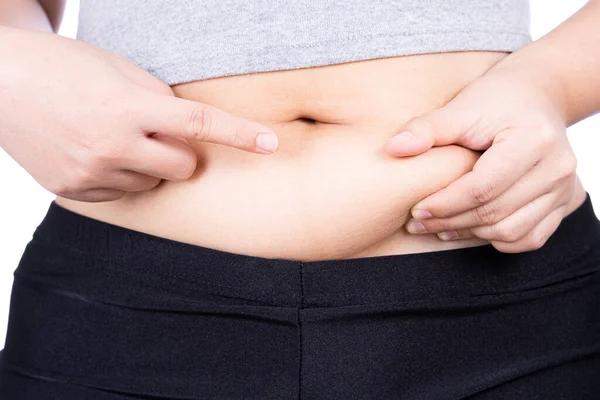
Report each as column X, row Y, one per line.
column 438, row 127
column 177, row 117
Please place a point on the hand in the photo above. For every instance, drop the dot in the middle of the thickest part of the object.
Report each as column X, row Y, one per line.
column 89, row 125
column 519, row 189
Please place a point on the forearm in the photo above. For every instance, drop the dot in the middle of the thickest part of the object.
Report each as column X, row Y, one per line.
column 564, row 64
column 44, row 15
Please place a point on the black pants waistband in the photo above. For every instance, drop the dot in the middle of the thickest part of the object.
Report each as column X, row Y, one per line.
column 283, row 282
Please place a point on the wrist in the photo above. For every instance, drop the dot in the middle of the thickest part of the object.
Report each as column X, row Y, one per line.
column 535, row 68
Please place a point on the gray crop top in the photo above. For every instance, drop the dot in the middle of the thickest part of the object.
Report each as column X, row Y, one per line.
column 186, row 40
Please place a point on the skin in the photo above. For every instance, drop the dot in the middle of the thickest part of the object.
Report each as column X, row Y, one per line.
column 329, row 191
column 106, row 127
column 331, row 170
column 43, row 15
column 523, row 185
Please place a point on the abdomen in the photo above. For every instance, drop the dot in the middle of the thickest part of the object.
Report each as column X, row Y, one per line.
column 330, row 190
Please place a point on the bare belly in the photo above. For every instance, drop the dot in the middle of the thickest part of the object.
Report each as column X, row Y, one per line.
column 329, row 191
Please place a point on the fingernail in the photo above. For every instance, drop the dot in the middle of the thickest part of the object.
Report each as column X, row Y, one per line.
column 449, row 235
column 421, row 214
column 402, row 137
column 267, row 141
column 415, row 227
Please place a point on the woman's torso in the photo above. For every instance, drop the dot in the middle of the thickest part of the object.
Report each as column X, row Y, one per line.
column 329, row 191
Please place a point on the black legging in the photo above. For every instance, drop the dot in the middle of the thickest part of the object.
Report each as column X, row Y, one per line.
column 103, row 312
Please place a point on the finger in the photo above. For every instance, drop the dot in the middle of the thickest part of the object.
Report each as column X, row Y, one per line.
column 417, row 227
column 456, row 235
column 498, row 168
column 520, row 230
column 438, row 127
column 131, row 181
column 520, row 223
column 161, row 157
column 174, row 116
column 537, row 237
column 534, row 184
column 95, row 195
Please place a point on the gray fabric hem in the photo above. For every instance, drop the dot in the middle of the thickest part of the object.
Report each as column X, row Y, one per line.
column 183, row 65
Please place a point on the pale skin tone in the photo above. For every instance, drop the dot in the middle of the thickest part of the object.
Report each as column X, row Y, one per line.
column 109, row 163
column 83, row 157
column 518, row 191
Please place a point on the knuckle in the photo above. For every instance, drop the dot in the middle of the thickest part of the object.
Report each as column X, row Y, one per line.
column 419, row 124
column 77, row 180
column 568, row 164
column 423, row 123
column 82, row 177
column 546, row 138
column 508, row 233
column 198, row 123
column 507, row 247
column 573, row 162
column 127, row 109
column 86, row 148
column 536, row 241
column 60, row 188
column 482, row 192
column 237, row 138
column 486, row 214
column 132, row 111
column 99, row 152
column 106, row 155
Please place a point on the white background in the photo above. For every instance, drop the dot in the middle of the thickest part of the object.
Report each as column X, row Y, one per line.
column 23, row 202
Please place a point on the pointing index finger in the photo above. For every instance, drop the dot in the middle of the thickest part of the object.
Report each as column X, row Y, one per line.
column 174, row 116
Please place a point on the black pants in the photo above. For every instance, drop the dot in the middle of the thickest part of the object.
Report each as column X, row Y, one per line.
column 100, row 312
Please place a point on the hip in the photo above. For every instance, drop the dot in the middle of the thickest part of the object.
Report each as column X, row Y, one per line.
column 99, row 311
